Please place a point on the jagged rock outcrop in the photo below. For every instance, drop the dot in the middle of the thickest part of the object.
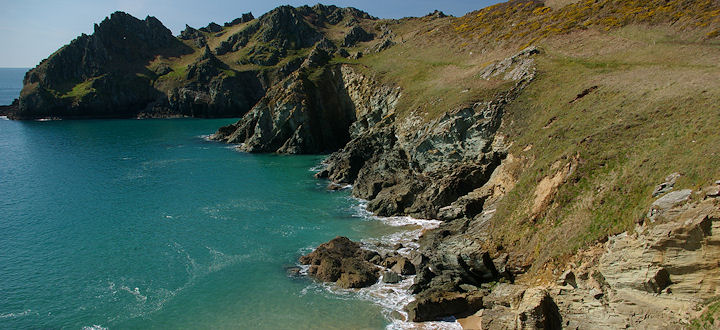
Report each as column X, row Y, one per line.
column 342, row 261
column 136, row 68
column 303, row 115
column 246, row 17
column 355, row 35
column 655, row 277
column 95, row 75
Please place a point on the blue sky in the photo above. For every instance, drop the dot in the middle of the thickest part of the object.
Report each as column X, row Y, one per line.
column 30, row 30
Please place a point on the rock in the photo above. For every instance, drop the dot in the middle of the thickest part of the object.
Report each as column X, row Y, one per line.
column 189, row 33
column 667, row 185
column 657, row 282
column 391, row 277
column 355, row 35
column 518, row 67
column 537, row 310
column 343, row 52
column 431, row 306
column 436, row 14
column 667, row 202
column 295, row 117
column 356, row 56
column 246, row 17
column 397, row 246
column 418, row 259
column 568, row 278
column 404, row 267
column 382, row 45
column 342, row 261
column 596, row 293
column 293, row 271
column 377, row 260
column 317, row 58
column 212, row 28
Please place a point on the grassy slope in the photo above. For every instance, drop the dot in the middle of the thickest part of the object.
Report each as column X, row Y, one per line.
column 655, row 112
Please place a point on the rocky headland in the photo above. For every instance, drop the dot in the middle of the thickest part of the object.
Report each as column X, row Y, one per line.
column 540, row 134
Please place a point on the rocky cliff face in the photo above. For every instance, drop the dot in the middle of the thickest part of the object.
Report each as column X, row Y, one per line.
column 136, row 68
column 305, row 114
column 95, row 75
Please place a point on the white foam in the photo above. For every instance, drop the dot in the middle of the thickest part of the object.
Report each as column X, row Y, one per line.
column 391, row 297
column 4, row 118
column 94, row 327
column 15, row 315
column 206, row 137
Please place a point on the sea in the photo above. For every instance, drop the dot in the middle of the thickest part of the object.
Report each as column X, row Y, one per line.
column 10, row 84
column 147, row 224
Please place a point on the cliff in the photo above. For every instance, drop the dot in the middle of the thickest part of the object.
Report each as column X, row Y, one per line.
column 137, row 68
column 569, row 147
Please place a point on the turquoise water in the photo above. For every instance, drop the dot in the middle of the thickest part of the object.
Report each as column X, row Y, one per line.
column 144, row 224
column 10, row 84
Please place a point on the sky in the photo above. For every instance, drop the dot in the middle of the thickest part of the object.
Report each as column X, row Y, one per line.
column 31, row 30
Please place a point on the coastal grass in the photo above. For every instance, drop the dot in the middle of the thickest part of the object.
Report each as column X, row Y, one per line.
column 651, row 111
column 80, row 90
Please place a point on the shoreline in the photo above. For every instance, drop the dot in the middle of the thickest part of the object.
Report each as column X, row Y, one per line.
column 391, row 297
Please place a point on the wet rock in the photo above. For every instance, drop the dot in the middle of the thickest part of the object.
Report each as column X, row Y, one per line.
column 434, row 305
column 404, row 266
column 342, row 261
column 391, row 277
column 293, row 271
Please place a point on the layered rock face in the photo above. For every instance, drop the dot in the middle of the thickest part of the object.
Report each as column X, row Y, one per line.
column 304, row 115
column 653, row 278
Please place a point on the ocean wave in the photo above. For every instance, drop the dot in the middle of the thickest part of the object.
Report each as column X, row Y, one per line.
column 15, row 315
column 4, row 118
column 391, row 297
column 94, row 327
column 206, row 137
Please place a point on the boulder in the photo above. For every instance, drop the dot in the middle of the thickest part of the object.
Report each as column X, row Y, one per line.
column 391, row 277
column 342, row 261
column 434, row 305
column 537, row 310
column 404, row 266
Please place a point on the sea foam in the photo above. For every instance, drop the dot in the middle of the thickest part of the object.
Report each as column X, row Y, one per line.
column 391, row 297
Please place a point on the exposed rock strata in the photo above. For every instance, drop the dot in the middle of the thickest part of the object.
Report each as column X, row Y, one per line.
column 304, row 115
column 656, row 277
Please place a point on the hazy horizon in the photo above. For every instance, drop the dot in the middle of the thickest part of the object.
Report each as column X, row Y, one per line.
column 32, row 30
